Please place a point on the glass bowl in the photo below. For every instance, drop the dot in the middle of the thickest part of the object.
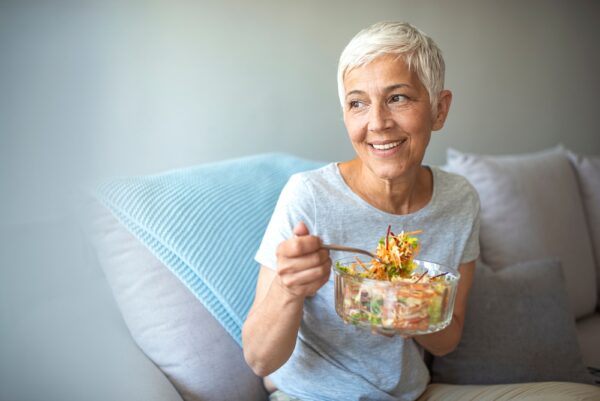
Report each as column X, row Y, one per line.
column 407, row 307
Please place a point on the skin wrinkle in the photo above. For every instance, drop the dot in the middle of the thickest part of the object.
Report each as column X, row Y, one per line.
column 387, row 89
column 386, row 102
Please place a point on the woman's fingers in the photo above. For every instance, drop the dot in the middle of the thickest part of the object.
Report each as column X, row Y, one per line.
column 294, row 265
column 316, row 275
column 307, row 282
column 301, row 229
column 302, row 265
column 299, row 246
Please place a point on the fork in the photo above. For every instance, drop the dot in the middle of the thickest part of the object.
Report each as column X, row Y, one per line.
column 342, row 248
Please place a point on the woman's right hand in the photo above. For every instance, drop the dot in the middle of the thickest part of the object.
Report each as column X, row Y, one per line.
column 302, row 265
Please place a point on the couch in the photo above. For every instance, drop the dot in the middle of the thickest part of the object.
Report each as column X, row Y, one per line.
column 162, row 338
column 551, row 194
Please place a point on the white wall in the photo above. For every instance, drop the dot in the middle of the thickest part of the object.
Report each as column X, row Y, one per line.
column 95, row 89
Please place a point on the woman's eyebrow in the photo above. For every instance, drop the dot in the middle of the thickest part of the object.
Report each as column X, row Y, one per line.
column 386, row 89
column 354, row 92
column 396, row 86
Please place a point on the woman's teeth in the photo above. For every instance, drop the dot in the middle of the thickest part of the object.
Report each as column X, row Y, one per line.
column 386, row 146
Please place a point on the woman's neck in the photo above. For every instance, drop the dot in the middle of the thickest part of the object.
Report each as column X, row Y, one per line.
column 403, row 195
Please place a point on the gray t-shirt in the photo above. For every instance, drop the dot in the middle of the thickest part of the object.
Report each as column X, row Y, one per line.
column 332, row 360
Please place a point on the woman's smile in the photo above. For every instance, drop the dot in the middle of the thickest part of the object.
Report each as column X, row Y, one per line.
column 387, row 148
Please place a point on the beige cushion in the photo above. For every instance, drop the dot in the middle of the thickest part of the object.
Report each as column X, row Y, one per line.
column 531, row 209
column 545, row 391
column 588, row 172
column 588, row 333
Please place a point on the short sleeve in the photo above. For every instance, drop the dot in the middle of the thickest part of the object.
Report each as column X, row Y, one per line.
column 295, row 204
column 471, row 250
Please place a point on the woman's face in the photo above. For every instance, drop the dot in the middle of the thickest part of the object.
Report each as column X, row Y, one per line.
column 388, row 115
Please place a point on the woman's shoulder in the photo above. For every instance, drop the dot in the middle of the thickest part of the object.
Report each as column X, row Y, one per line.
column 324, row 170
column 305, row 184
column 324, row 175
column 455, row 187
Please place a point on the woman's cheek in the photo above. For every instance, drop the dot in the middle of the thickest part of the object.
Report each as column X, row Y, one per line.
column 352, row 129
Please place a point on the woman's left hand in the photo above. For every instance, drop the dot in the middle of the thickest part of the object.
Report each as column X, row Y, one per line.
column 445, row 341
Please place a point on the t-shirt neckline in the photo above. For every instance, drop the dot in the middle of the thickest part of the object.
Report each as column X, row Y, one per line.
column 366, row 204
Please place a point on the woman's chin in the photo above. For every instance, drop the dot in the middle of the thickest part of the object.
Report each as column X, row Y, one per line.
column 389, row 174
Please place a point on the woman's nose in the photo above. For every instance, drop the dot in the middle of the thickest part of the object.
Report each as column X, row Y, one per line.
column 379, row 118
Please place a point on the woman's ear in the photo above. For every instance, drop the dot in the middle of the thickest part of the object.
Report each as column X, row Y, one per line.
column 443, row 107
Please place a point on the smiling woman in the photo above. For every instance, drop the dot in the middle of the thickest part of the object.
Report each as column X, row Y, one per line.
column 391, row 78
column 389, row 118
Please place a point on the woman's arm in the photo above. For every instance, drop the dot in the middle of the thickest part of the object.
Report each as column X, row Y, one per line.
column 270, row 330
column 269, row 333
column 445, row 341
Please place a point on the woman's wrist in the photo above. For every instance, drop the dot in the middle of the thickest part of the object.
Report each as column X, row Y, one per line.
column 286, row 296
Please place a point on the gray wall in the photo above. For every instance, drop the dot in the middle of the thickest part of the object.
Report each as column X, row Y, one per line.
column 95, row 89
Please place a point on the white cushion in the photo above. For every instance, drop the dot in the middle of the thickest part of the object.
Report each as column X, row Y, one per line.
column 531, row 209
column 168, row 322
column 588, row 172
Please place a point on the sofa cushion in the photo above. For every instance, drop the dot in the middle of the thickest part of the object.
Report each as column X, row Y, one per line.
column 168, row 323
column 588, row 173
column 548, row 391
column 518, row 328
column 531, row 209
column 205, row 224
column 588, row 333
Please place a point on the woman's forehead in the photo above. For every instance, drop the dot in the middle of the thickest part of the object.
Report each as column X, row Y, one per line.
column 388, row 72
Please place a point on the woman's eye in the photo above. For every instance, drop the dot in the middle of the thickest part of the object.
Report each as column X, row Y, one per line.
column 398, row 98
column 355, row 104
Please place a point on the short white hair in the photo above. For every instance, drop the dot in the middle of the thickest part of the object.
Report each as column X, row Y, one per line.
column 417, row 50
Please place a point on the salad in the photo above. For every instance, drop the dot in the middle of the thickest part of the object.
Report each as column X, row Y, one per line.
column 395, row 292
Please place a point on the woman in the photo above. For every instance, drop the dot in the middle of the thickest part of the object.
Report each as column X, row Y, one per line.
column 390, row 79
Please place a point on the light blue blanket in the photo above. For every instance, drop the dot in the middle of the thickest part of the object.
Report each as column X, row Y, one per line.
column 205, row 223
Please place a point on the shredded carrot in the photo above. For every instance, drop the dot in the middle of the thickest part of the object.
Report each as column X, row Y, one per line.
column 361, row 263
column 395, row 256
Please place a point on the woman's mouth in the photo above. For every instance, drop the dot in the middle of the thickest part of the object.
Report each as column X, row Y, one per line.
column 386, row 149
